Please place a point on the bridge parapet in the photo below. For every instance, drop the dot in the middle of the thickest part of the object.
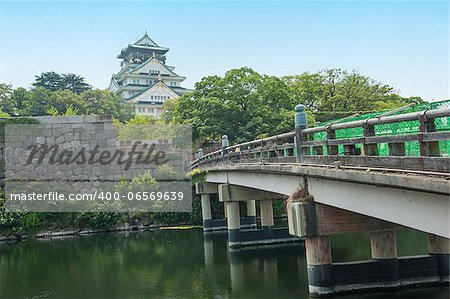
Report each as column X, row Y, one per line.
column 303, row 145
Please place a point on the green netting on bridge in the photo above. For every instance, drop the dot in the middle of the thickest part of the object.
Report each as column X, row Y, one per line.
column 411, row 148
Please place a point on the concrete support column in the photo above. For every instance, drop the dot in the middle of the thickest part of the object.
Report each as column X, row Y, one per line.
column 206, row 210
column 440, row 247
column 319, row 263
column 266, row 210
column 251, row 212
column 384, row 249
column 233, row 221
column 225, row 209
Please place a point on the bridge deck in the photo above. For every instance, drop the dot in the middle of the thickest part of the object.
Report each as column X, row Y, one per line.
column 413, row 199
column 424, row 181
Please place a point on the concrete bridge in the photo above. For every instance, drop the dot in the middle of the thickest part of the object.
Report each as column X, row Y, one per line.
column 337, row 185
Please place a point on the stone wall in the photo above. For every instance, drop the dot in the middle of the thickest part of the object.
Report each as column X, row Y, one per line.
column 78, row 134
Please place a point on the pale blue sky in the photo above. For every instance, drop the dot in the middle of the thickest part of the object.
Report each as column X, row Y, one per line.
column 403, row 44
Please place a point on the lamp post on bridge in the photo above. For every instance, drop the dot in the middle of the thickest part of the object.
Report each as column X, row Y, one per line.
column 301, row 122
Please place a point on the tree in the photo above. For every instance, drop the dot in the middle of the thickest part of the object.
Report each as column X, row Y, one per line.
column 49, row 80
column 61, row 99
column 20, row 97
column 64, row 102
column 74, row 83
column 307, row 89
column 6, row 100
column 102, row 102
column 243, row 104
column 335, row 93
column 53, row 81
column 35, row 102
column 246, row 105
column 40, row 101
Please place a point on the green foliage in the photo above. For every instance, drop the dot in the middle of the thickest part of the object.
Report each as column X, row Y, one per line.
column 40, row 101
column 62, row 94
column 97, row 220
column 53, row 81
column 33, row 103
column 3, row 114
column 335, row 93
column 52, row 111
column 5, row 121
column 102, row 102
column 144, row 182
column 142, row 120
column 74, row 83
column 6, row 101
column 245, row 105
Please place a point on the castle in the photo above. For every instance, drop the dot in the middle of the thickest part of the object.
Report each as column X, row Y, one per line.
column 144, row 78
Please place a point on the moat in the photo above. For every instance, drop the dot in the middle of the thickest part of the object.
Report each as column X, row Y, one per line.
column 176, row 264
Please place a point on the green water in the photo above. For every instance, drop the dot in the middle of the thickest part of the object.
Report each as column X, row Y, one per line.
column 174, row 264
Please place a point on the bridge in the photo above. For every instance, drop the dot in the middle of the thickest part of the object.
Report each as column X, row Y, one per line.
column 377, row 180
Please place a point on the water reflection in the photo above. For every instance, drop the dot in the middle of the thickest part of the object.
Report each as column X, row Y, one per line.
column 166, row 264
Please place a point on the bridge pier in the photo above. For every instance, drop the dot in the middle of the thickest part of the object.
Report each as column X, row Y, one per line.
column 440, row 248
column 266, row 212
column 233, row 222
column 383, row 247
column 205, row 190
column 231, row 196
column 316, row 222
column 319, row 264
column 206, row 208
column 251, row 213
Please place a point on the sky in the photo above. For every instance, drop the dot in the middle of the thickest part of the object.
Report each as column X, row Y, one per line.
column 400, row 43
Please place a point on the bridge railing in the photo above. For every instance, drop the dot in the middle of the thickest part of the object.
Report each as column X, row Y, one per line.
column 301, row 146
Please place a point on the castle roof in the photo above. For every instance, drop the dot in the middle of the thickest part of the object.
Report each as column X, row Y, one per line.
column 144, row 43
column 176, row 90
column 153, row 60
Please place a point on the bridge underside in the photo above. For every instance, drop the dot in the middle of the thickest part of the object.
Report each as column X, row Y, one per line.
column 324, row 201
column 413, row 201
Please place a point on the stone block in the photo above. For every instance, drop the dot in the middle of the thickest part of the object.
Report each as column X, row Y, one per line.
column 60, row 139
column 40, row 140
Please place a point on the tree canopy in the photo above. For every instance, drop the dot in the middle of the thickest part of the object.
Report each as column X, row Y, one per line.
column 40, row 101
column 336, row 93
column 246, row 105
column 53, row 81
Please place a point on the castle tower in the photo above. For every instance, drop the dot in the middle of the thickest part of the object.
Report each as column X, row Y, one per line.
column 144, row 79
